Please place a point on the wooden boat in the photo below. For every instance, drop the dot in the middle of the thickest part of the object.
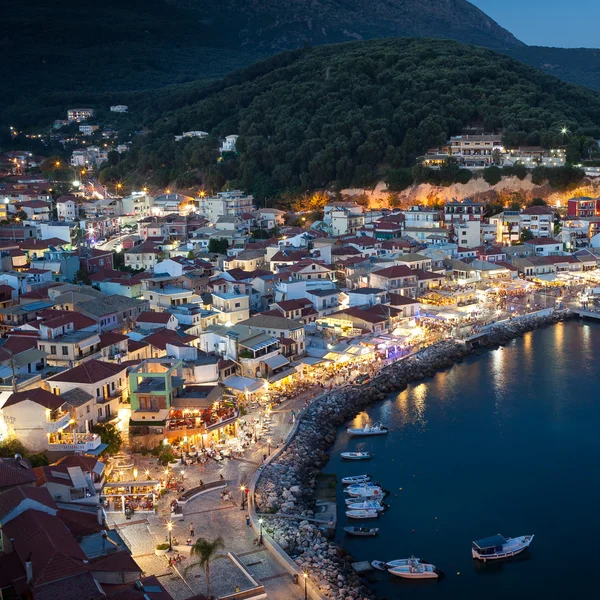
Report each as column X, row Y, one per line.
column 415, row 570
column 362, row 514
column 356, row 455
column 361, row 531
column 375, row 429
column 355, row 479
column 497, row 547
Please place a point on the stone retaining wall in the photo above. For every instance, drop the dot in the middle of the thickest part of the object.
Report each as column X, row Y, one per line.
column 287, row 483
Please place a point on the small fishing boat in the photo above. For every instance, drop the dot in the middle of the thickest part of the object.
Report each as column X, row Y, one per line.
column 380, row 565
column 497, row 546
column 375, row 429
column 356, row 455
column 362, row 514
column 401, row 562
column 351, row 500
column 366, row 505
column 365, row 491
column 361, row 531
column 415, row 570
column 355, row 479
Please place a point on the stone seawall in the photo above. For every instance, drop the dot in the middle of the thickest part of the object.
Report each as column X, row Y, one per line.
column 287, row 484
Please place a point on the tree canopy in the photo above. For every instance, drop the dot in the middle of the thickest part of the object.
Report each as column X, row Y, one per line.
column 344, row 115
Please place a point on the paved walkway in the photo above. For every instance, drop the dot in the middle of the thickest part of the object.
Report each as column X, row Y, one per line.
column 211, row 517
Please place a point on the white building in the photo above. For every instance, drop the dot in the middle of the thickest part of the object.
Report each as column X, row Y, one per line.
column 191, row 134
column 139, row 204
column 88, row 129
column 79, row 114
column 476, row 150
column 224, row 204
column 120, row 108
column 66, row 208
column 229, row 143
column 467, row 234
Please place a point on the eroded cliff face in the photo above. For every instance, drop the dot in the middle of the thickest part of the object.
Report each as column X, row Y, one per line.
column 507, row 190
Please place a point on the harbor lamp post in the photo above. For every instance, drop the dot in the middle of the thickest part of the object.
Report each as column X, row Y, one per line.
column 305, row 588
column 243, row 490
column 260, row 539
column 170, row 530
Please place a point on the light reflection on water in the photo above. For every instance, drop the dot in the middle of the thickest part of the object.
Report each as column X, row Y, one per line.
column 505, row 442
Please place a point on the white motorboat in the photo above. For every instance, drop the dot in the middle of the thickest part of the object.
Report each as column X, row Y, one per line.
column 415, row 571
column 375, row 429
column 352, row 500
column 356, row 455
column 362, row 514
column 497, row 546
column 402, row 562
column 365, row 491
column 380, row 565
column 366, row 505
column 361, row 531
column 355, row 479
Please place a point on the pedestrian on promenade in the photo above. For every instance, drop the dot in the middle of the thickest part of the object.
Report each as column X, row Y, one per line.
column 191, row 530
column 248, row 520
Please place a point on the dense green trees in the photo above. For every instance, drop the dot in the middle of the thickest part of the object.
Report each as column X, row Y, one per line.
column 343, row 115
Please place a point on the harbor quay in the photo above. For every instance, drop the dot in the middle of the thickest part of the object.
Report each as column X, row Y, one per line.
column 285, row 501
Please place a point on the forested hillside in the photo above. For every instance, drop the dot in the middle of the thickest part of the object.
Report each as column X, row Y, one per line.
column 59, row 53
column 341, row 115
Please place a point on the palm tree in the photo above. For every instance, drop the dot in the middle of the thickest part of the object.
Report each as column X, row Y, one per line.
column 206, row 551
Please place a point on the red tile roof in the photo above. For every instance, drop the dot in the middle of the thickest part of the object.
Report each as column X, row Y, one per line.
column 15, row 472
column 542, row 242
column 38, row 395
column 395, row 271
column 79, row 321
column 52, row 474
column 17, row 343
column 90, row 371
column 12, row 498
column 162, row 337
column 400, row 300
column 154, row 317
column 54, row 552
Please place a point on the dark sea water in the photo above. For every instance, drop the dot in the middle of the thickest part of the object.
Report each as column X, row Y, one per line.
column 507, row 442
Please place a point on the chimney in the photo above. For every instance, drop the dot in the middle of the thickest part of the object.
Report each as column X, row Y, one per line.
column 29, row 569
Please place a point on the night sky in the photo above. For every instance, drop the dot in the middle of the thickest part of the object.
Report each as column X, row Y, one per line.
column 572, row 24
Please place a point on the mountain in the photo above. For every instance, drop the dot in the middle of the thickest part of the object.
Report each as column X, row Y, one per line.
column 55, row 51
column 273, row 25
column 61, row 53
column 342, row 114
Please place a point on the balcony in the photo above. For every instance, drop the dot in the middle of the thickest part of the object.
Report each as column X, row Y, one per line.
column 74, row 442
column 57, row 421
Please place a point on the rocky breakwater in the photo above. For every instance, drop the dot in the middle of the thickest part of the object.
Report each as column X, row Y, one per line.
column 285, row 490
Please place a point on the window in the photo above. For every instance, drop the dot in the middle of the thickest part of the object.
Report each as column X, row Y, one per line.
column 42, row 347
column 97, row 392
column 237, row 304
column 87, row 409
column 112, row 386
column 65, row 350
column 52, row 349
column 120, row 382
column 99, row 412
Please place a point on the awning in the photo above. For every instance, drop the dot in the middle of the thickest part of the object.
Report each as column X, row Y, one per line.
column 274, row 362
column 282, row 374
column 311, row 361
column 97, row 451
column 89, row 342
column 243, row 384
column 549, row 277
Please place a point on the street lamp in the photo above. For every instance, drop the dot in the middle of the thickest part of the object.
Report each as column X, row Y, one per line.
column 269, row 445
column 243, row 490
column 135, row 474
column 260, row 539
column 170, row 529
column 305, row 588
column 147, row 473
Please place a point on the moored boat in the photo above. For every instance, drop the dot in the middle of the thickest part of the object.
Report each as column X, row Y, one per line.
column 356, row 455
column 401, row 562
column 380, row 565
column 355, row 479
column 362, row 514
column 374, row 429
column 415, row 570
column 366, row 505
column 365, row 491
column 361, row 531
column 497, row 547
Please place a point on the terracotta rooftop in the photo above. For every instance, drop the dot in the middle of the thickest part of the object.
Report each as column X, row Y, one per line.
column 90, row 371
column 38, row 395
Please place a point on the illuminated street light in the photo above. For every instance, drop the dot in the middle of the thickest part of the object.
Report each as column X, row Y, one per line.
column 170, row 529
